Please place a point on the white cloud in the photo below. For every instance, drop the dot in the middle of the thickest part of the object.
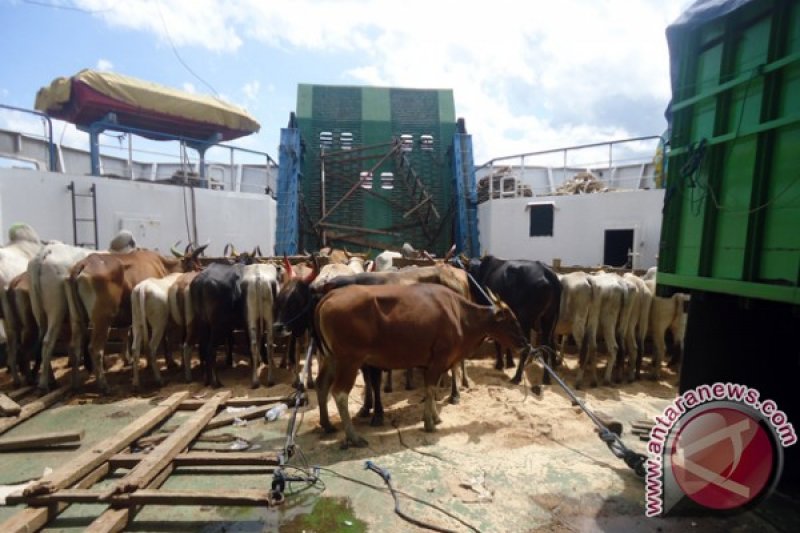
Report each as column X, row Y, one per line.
column 189, row 87
column 104, row 64
column 526, row 76
column 251, row 90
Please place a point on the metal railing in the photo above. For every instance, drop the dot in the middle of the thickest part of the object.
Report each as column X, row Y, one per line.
column 51, row 148
column 558, row 162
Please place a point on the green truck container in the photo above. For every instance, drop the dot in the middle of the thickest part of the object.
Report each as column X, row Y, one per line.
column 731, row 228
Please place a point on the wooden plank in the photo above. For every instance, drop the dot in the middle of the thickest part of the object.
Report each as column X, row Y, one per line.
column 35, row 518
column 224, row 419
column 8, row 407
column 16, row 394
column 35, row 407
column 240, row 401
column 128, row 460
column 233, row 497
column 77, row 468
column 113, row 520
column 149, row 467
column 41, row 440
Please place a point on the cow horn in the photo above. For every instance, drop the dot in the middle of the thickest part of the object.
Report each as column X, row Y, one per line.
column 314, row 270
column 234, row 253
column 428, row 256
column 288, row 266
column 174, row 250
column 346, row 253
column 257, row 251
column 188, row 247
column 225, row 250
column 199, row 251
column 494, row 300
column 450, row 253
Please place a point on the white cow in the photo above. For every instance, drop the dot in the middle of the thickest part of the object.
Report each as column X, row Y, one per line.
column 150, row 307
column 260, row 288
column 383, row 261
column 666, row 313
column 576, row 300
column 23, row 244
column 52, row 301
column 608, row 299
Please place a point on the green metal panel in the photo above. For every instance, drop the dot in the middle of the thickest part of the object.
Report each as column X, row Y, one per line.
column 383, row 215
column 732, row 208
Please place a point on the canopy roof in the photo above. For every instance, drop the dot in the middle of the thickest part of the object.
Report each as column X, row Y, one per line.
column 90, row 95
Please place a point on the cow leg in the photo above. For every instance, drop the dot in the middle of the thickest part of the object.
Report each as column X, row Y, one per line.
column 586, row 360
column 49, row 339
column 342, row 384
column 409, row 379
column 387, row 387
column 255, row 340
column 430, row 415
column 523, row 358
column 455, row 395
column 464, row 376
column 372, row 395
column 97, row 350
column 229, row 350
column 289, row 348
column 609, row 336
column 139, row 336
column 498, row 356
column 186, row 353
column 323, row 388
column 632, row 350
column 309, row 374
column 659, row 348
column 366, row 407
column 157, row 335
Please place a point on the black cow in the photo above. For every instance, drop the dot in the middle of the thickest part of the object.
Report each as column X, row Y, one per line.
column 531, row 290
column 218, row 303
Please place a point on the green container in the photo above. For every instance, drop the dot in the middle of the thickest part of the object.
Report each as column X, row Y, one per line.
column 732, row 203
column 355, row 127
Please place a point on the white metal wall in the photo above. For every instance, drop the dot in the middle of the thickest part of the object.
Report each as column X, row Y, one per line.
column 579, row 224
column 155, row 213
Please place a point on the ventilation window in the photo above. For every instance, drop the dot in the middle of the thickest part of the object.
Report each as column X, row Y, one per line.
column 408, row 142
column 346, row 140
column 325, row 139
column 541, row 220
column 387, row 181
column 426, row 142
column 366, row 179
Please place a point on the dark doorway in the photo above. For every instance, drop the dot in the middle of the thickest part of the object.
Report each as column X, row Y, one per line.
column 618, row 243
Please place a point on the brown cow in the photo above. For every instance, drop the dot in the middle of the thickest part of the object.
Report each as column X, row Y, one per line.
column 101, row 286
column 398, row 327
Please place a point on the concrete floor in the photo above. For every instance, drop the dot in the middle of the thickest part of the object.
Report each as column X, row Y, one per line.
column 539, row 487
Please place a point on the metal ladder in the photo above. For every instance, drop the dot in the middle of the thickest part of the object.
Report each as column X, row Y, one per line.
column 84, row 220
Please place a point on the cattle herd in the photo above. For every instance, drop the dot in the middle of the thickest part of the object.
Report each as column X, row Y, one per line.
column 368, row 316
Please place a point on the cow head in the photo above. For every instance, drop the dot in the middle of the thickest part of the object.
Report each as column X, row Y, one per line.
column 505, row 327
column 190, row 258
column 294, row 303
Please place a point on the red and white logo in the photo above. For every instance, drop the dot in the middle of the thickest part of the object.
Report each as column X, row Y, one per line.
column 723, row 458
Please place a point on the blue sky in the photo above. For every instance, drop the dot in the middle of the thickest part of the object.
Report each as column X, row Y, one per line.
column 526, row 76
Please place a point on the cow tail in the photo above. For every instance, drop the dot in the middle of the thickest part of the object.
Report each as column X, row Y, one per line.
column 74, row 298
column 35, row 271
column 143, row 332
column 554, row 310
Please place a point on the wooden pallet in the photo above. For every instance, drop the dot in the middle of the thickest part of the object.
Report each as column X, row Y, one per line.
column 72, row 483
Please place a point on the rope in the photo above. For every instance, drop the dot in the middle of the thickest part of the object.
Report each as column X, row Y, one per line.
column 635, row 461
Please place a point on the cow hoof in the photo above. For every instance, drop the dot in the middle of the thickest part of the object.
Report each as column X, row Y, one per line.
column 359, row 442
column 593, row 384
column 454, row 400
column 430, row 427
column 310, row 385
column 516, row 380
column 41, row 391
column 387, row 389
column 578, row 385
column 328, row 428
column 256, row 384
column 376, row 421
column 363, row 412
column 536, row 389
column 409, row 387
column 498, row 365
